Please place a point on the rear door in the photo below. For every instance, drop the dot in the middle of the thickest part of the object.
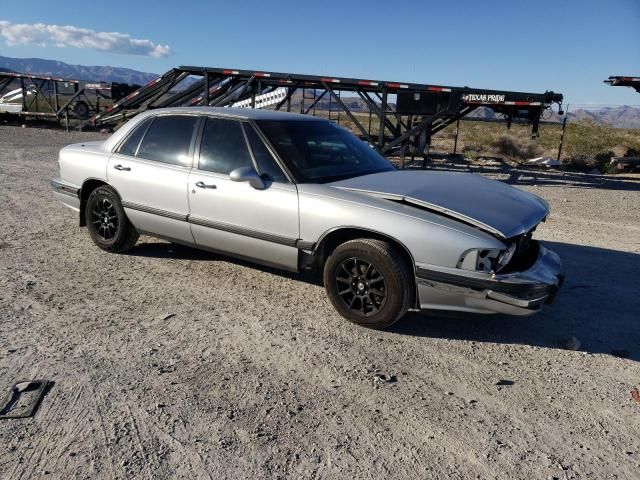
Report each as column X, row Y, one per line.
column 150, row 171
column 233, row 217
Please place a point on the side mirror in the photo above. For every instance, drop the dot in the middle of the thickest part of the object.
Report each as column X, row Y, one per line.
column 248, row 174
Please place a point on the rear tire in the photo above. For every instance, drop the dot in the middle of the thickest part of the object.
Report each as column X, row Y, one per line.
column 108, row 225
column 369, row 282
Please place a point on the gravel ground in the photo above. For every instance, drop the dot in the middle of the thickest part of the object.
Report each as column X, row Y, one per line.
column 173, row 363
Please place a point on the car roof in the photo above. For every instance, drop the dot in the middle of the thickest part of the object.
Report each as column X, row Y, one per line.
column 239, row 113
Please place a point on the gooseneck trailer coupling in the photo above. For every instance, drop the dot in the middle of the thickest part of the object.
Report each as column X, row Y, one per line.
column 619, row 81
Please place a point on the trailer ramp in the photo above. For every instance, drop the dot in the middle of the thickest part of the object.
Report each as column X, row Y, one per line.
column 396, row 117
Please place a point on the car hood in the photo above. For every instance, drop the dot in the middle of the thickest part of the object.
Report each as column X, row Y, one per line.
column 493, row 206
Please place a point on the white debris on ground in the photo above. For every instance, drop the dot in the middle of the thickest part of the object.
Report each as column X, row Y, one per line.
column 543, row 162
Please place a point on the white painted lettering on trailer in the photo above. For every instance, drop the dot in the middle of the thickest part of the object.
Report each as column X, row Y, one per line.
column 484, row 97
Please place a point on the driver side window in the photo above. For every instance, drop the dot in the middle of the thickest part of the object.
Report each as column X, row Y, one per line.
column 266, row 163
column 223, row 147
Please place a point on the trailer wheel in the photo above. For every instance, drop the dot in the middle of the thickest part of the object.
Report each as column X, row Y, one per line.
column 81, row 109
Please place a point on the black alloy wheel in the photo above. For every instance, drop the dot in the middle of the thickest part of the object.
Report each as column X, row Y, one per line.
column 361, row 286
column 370, row 282
column 107, row 222
column 104, row 217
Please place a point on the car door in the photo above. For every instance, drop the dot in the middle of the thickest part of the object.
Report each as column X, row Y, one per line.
column 234, row 217
column 150, row 171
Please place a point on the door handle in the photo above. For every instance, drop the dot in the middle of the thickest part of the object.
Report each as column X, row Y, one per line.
column 123, row 169
column 204, row 185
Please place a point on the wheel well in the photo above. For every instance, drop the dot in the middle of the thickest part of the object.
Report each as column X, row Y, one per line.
column 87, row 187
column 333, row 239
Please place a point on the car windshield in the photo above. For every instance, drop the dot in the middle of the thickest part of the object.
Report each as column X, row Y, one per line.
column 320, row 151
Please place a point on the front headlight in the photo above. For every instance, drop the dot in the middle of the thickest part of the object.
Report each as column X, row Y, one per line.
column 506, row 256
column 486, row 260
column 480, row 259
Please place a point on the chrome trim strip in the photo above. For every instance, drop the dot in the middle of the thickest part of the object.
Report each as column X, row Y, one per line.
column 64, row 187
column 268, row 237
column 226, row 227
column 155, row 211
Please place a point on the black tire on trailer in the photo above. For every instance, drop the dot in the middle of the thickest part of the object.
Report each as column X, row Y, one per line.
column 81, row 110
column 369, row 282
column 107, row 222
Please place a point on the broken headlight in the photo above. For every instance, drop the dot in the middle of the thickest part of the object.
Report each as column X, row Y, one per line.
column 482, row 260
column 506, row 256
column 486, row 260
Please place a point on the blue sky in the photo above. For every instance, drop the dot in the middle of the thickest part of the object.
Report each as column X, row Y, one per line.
column 569, row 46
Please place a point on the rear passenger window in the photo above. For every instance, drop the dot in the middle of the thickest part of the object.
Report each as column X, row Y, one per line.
column 168, row 140
column 130, row 145
column 266, row 163
column 223, row 147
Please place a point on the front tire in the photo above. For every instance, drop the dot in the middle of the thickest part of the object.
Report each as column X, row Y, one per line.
column 369, row 282
column 108, row 225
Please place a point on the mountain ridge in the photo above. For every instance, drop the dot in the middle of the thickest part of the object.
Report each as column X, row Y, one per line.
column 96, row 73
column 622, row 116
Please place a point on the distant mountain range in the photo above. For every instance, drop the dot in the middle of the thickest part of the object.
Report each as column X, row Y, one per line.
column 75, row 72
column 620, row 116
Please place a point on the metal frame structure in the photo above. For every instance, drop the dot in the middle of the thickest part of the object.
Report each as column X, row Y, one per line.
column 618, row 81
column 407, row 114
column 48, row 92
column 50, row 98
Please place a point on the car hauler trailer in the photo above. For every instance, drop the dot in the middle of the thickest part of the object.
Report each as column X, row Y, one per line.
column 618, row 81
column 405, row 115
column 40, row 96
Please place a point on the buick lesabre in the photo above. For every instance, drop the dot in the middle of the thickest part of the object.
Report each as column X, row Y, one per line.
column 299, row 193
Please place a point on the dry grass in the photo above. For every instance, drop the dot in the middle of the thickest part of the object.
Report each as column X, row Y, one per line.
column 511, row 146
column 587, row 144
column 582, row 139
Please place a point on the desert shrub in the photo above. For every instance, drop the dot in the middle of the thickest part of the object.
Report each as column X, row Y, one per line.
column 514, row 147
column 603, row 161
column 632, row 152
column 470, row 150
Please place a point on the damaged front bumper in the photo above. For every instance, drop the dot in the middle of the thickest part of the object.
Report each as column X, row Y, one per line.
column 518, row 293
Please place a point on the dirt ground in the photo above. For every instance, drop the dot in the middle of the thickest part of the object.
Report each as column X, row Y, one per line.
column 173, row 363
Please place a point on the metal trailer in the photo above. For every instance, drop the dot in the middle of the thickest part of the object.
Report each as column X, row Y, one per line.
column 405, row 115
column 618, row 81
column 54, row 98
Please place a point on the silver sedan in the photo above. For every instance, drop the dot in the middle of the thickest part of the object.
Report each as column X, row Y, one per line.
column 301, row 193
